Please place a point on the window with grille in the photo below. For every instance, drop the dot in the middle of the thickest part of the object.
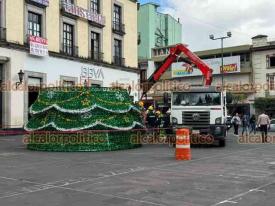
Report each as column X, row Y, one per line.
column 117, row 17
column 271, row 82
column 68, row 38
column 95, row 6
column 34, row 24
column 118, row 60
column 117, row 48
column 95, row 45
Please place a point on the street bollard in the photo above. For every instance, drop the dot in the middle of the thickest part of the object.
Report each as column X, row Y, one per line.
column 183, row 149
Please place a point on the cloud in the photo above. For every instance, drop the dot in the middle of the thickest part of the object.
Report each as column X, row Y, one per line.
column 244, row 18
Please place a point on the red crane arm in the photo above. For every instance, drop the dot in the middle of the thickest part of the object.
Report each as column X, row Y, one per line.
column 174, row 53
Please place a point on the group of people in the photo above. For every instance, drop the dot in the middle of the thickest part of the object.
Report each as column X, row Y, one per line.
column 156, row 119
column 263, row 123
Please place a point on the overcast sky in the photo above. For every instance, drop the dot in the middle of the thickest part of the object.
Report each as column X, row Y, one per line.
column 244, row 18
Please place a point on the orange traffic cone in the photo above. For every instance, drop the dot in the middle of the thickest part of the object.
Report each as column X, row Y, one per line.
column 183, row 149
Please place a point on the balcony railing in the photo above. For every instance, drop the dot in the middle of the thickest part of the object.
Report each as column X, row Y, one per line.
column 2, row 34
column 119, row 61
column 118, row 28
column 96, row 56
column 69, row 50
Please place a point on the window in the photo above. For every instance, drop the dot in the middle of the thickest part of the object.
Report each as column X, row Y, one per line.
column 242, row 58
column 247, row 57
column 118, row 60
column 95, row 46
column 117, row 17
column 117, row 48
column 272, row 82
column 95, row 6
column 69, row 1
column 196, row 99
column 68, row 83
column 68, row 39
column 143, row 75
column 2, row 21
column 1, row 13
column 272, row 61
column 34, row 24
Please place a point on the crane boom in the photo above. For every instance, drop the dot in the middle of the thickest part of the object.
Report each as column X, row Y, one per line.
column 174, row 53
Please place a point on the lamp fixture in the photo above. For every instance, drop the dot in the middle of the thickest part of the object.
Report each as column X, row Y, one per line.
column 20, row 76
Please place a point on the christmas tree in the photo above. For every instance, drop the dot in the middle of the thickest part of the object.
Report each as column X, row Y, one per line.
column 83, row 119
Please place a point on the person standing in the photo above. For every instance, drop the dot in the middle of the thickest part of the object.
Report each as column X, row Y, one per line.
column 264, row 123
column 245, row 121
column 151, row 117
column 252, row 122
column 236, row 121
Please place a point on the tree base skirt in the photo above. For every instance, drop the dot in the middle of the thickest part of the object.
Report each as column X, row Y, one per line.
column 82, row 142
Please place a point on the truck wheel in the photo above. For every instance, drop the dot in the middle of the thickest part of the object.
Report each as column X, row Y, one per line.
column 222, row 143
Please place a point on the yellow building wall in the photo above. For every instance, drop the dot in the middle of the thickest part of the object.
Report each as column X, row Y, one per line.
column 130, row 38
column 53, row 26
column 15, row 28
column 82, row 32
column 107, row 31
column 83, row 36
column 15, row 21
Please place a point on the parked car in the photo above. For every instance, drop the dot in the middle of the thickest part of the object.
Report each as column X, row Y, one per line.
column 272, row 125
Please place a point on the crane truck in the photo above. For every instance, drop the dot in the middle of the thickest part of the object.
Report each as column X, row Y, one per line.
column 202, row 109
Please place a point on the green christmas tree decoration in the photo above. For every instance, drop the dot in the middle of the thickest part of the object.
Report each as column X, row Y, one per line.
column 83, row 119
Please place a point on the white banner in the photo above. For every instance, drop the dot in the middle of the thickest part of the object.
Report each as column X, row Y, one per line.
column 38, row 46
column 231, row 64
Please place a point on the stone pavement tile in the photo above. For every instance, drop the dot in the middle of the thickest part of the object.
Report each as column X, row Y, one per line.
column 169, row 188
column 59, row 196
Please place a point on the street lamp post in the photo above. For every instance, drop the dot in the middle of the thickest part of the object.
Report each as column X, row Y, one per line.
column 229, row 34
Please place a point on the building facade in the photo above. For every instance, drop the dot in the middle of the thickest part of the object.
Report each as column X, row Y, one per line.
column 156, row 30
column 63, row 43
column 263, row 60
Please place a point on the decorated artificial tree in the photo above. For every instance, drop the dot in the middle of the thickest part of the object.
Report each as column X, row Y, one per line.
column 83, row 119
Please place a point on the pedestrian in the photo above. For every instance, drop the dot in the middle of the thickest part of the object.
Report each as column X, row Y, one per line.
column 151, row 117
column 158, row 115
column 245, row 123
column 264, row 123
column 167, row 127
column 252, row 122
column 236, row 121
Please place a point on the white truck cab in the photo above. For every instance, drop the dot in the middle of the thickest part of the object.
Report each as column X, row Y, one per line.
column 202, row 109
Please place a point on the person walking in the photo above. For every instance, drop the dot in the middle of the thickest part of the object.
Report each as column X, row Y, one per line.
column 236, row 121
column 252, row 122
column 264, row 123
column 245, row 122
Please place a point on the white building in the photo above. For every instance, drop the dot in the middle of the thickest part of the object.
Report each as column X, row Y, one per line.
column 263, row 63
column 51, row 71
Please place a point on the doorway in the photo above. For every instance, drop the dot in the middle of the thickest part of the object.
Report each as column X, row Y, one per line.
column 34, row 85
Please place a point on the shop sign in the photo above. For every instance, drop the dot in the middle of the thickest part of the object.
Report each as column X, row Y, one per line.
column 93, row 73
column 38, row 46
column 83, row 13
column 231, row 65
